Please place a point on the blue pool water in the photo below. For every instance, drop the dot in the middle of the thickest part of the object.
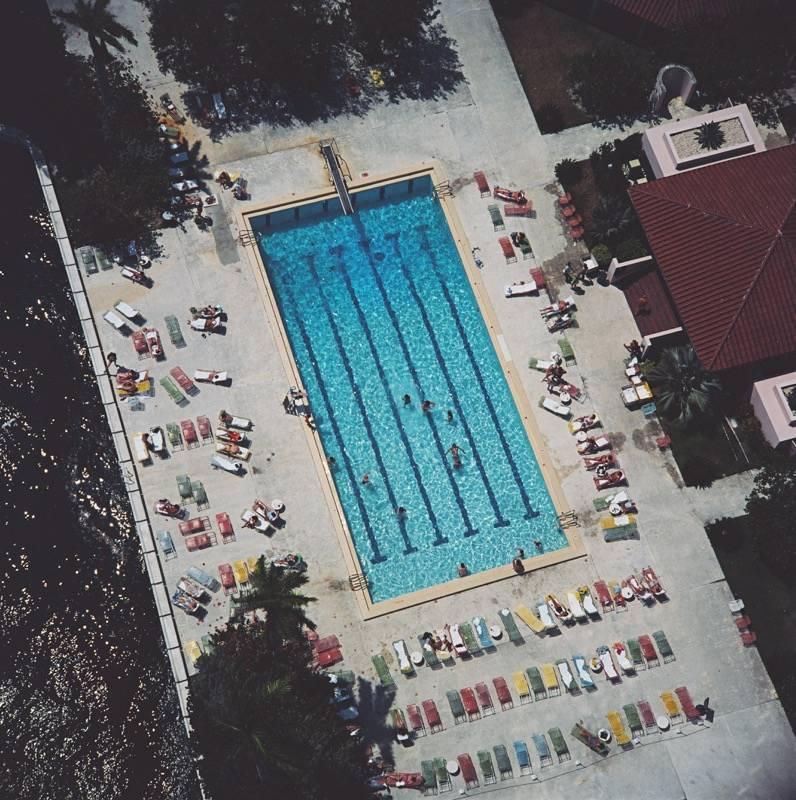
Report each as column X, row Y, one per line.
column 377, row 306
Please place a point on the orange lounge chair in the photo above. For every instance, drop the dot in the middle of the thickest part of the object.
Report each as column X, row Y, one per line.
column 508, row 249
column 518, row 211
column 481, row 183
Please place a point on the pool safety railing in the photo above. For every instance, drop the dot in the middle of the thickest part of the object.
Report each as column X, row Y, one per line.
column 334, row 165
column 247, row 238
column 443, row 189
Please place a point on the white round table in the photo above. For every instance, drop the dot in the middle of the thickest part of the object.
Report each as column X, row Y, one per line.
column 452, row 767
column 495, row 632
column 417, row 658
column 278, row 506
column 663, row 722
column 627, row 593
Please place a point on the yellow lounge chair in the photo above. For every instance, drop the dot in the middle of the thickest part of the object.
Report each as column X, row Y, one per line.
column 251, row 563
column 530, row 619
column 618, row 729
column 550, row 678
column 193, row 651
column 240, row 572
column 670, row 704
column 621, row 521
column 521, row 685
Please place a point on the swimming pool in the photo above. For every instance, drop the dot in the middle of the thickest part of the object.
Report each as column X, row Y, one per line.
column 378, row 306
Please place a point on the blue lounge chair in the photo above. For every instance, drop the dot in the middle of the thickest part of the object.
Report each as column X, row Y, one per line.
column 482, row 631
column 523, row 757
column 543, row 749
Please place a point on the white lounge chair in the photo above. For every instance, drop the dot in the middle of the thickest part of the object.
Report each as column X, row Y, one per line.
column 523, row 288
column 559, row 409
column 588, row 604
column 127, row 310
column 575, row 608
column 600, row 443
column 583, row 672
column 141, row 450
column 608, row 663
column 546, row 617
column 625, row 664
column 404, row 662
column 566, row 675
column 458, row 642
column 542, row 366
column 210, row 376
column 114, row 319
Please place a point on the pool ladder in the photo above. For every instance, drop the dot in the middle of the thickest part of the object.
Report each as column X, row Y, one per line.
column 443, row 189
column 568, row 519
column 247, row 238
column 358, row 582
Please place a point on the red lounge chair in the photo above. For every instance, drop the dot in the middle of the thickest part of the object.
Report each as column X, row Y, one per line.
column 518, row 211
column 538, row 277
column 508, row 249
column 565, row 199
column 185, row 382
column 687, row 704
column 432, row 715
column 744, row 623
column 509, row 195
column 575, row 221
column 189, row 433
column 648, row 649
column 194, row 525
column 749, row 638
column 604, row 595
column 327, row 643
column 416, row 720
column 205, row 431
column 615, row 478
column 647, row 714
column 140, row 345
column 484, row 698
column 227, row 578
column 576, row 233
column 225, row 525
column 198, row 542
column 469, row 703
column 567, row 211
column 481, row 183
column 329, row 657
column 468, row 771
column 503, row 693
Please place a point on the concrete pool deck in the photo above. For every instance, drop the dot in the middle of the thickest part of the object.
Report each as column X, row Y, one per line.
column 749, row 750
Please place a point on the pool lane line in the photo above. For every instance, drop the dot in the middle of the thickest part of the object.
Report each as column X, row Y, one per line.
column 409, row 547
column 377, row 557
column 501, row 521
column 530, row 512
column 469, row 530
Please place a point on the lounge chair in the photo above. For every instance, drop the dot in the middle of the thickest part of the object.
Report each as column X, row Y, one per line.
column 470, row 642
column 511, row 626
column 189, row 433
column 205, row 431
column 523, row 757
column 508, row 249
column 587, row 601
column 415, row 720
column 432, row 715
column 567, row 678
column 539, row 279
column 429, row 653
column 689, row 709
column 536, row 683
column 530, row 619
column 482, row 183
column 200, row 495
column 469, row 774
column 186, row 384
column 633, row 719
column 174, row 436
column 519, row 289
column 610, row 481
column 559, row 744
column 546, row 617
column 625, row 663
column 550, row 678
column 497, row 220
column 470, row 703
column 404, row 662
column 664, row 648
column 241, row 572
column 585, row 736
column 636, row 656
column 575, row 608
column 429, row 777
column 457, row 707
column 586, row 423
column 518, row 211
column 171, row 390
column 173, row 328
column 484, row 699
column 647, row 715
column 115, row 321
column 618, row 728
column 604, row 596
column 648, row 649
column 672, row 709
column 184, row 488
column 582, row 669
column 166, row 544
column 521, row 241
column 565, row 348
column 458, row 641
column 542, row 749
column 521, row 685
column 88, row 260
column 503, row 693
column 539, row 364
column 559, row 409
column 748, row 638
column 503, row 762
column 227, row 577
column 441, row 773
column 482, row 631
column 609, row 668
column 383, row 671
column 487, row 768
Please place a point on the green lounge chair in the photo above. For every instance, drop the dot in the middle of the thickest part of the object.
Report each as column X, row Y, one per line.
column 175, row 437
column 470, row 642
column 428, row 653
column 566, row 351
column 184, row 486
column 200, row 495
column 511, row 626
column 559, row 744
column 537, row 684
column 441, row 772
column 345, row 676
column 175, row 334
column 634, row 650
column 383, row 671
column 633, row 719
column 207, row 645
column 429, row 778
column 457, row 708
column 171, row 389
column 88, row 260
column 503, row 762
column 497, row 219
column 487, row 768
column 103, row 260
column 664, row 648
column 620, row 534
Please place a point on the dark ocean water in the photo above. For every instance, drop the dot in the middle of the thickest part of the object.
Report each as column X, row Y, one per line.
column 88, row 709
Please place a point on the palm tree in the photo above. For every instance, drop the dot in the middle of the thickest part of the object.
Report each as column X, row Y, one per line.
column 710, row 136
column 609, row 218
column 103, row 29
column 683, row 389
column 274, row 590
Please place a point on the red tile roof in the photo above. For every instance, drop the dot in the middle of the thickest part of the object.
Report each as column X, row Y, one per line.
column 658, row 313
column 673, row 14
column 724, row 238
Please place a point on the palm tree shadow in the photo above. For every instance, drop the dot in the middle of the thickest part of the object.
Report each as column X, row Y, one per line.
column 374, row 708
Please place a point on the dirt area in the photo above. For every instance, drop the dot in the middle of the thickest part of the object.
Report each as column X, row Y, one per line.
column 769, row 602
column 542, row 42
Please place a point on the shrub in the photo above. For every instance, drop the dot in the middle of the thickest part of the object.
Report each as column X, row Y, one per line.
column 630, row 249
column 602, row 255
column 568, row 172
